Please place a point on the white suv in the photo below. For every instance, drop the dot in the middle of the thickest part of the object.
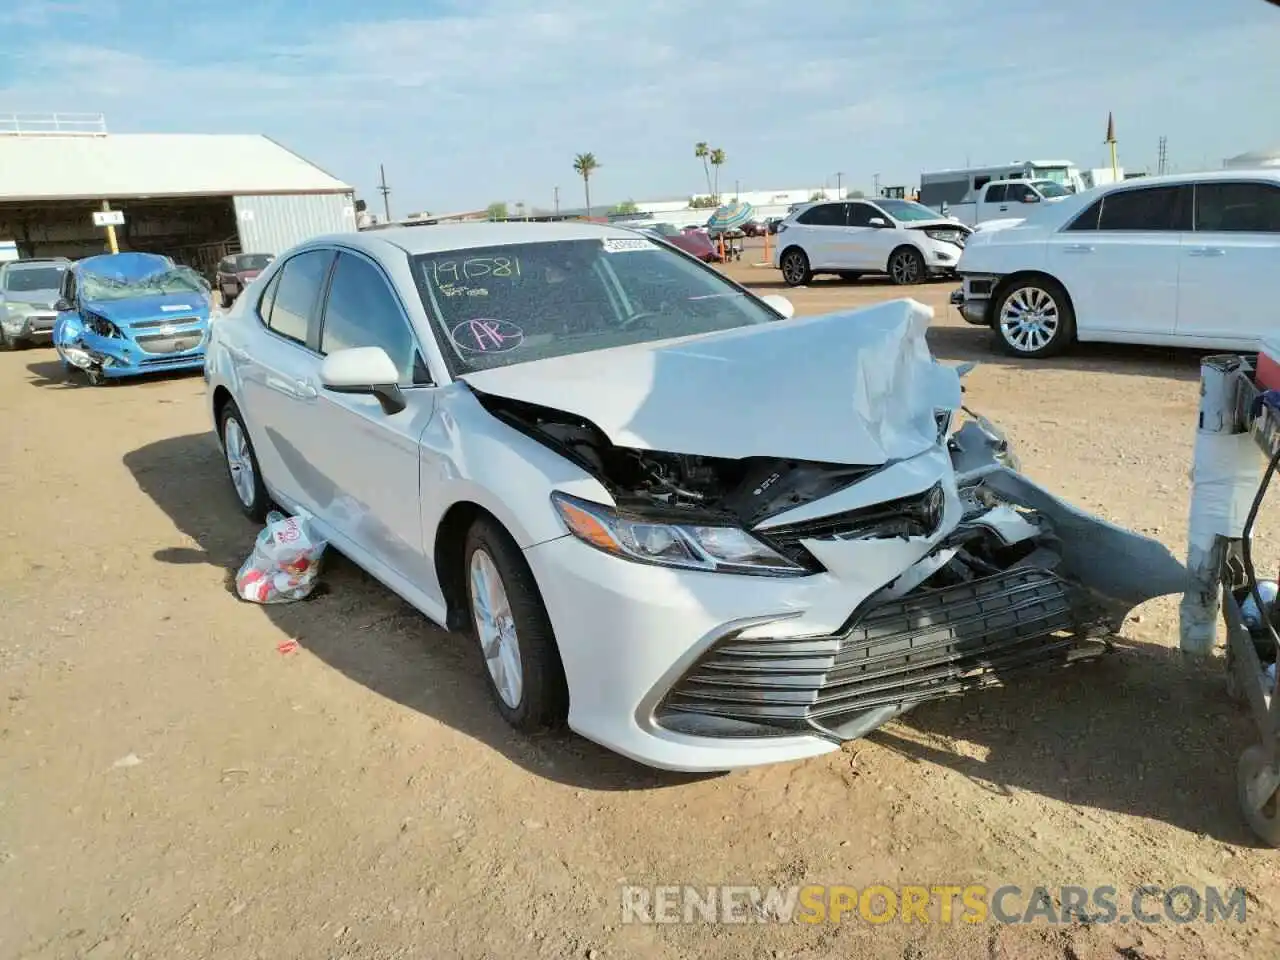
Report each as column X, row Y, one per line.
column 1185, row 260
column 906, row 240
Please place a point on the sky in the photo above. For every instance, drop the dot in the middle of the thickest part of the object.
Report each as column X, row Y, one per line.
column 467, row 103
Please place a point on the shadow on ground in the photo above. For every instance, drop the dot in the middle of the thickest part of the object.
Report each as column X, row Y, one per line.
column 1144, row 732
column 50, row 374
column 360, row 628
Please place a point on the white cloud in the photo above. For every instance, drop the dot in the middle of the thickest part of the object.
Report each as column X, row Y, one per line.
column 494, row 99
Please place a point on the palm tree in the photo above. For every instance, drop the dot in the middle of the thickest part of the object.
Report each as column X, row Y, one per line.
column 702, row 152
column 584, row 165
column 717, row 160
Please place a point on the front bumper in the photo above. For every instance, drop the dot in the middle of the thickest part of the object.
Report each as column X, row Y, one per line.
column 941, row 257
column 120, row 357
column 697, row 671
column 973, row 299
column 32, row 326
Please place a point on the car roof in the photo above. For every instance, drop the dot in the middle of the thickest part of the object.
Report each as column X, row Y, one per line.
column 1177, row 179
column 35, row 262
column 439, row 238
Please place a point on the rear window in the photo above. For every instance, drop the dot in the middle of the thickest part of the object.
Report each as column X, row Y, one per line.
column 31, row 279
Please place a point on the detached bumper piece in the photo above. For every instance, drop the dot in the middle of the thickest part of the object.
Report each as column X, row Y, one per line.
column 928, row 644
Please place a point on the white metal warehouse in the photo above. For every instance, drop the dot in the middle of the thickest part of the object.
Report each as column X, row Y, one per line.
column 194, row 197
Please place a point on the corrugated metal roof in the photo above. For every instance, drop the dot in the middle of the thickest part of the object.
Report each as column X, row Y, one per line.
column 123, row 165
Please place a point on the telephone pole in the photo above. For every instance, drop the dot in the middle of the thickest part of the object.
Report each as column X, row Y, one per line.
column 840, row 185
column 1163, row 162
column 385, row 191
column 557, row 200
column 875, row 185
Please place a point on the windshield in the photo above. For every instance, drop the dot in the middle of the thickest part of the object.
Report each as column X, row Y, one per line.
column 253, row 261
column 1059, row 175
column 166, row 280
column 907, row 210
column 1051, row 188
column 31, row 279
column 497, row 306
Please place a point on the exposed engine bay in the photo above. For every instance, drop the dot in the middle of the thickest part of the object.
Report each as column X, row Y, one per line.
column 747, row 491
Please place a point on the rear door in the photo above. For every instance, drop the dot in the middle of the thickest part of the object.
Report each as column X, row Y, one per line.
column 367, row 459
column 1229, row 281
column 821, row 234
column 1119, row 262
column 279, row 384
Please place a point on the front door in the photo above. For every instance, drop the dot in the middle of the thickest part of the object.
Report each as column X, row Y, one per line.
column 368, row 458
column 1119, row 261
column 823, row 228
column 1229, row 284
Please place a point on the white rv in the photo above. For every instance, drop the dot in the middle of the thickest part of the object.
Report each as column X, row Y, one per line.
column 951, row 187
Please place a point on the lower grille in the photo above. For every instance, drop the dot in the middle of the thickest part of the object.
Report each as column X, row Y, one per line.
column 170, row 342
column 929, row 644
column 165, row 361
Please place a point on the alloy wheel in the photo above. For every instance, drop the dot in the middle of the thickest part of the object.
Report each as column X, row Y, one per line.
column 1029, row 319
column 496, row 628
column 239, row 460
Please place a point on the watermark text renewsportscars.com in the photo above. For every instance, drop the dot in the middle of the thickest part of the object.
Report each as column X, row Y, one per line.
column 936, row 903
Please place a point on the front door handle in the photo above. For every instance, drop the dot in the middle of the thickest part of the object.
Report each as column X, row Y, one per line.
column 306, row 390
column 1077, row 248
column 1206, row 252
column 1004, row 209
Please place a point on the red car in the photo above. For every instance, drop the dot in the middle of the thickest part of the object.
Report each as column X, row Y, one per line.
column 235, row 272
column 693, row 243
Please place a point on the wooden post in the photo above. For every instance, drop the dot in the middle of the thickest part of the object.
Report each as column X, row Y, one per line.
column 111, row 231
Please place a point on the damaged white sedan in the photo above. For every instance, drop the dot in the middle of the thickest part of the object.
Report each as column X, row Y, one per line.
column 704, row 534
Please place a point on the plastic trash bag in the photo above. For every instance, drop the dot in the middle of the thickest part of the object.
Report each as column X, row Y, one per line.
column 285, row 563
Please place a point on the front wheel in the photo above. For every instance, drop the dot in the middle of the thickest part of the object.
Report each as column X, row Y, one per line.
column 1034, row 319
column 795, row 268
column 907, row 266
column 1258, row 789
column 223, row 300
column 514, row 632
column 7, row 342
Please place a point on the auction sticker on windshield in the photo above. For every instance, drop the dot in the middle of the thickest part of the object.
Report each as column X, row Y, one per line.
column 626, row 244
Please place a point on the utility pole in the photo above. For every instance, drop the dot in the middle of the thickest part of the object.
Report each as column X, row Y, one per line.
column 1111, row 142
column 839, row 186
column 875, row 185
column 737, row 184
column 1163, row 162
column 557, row 200
column 385, row 191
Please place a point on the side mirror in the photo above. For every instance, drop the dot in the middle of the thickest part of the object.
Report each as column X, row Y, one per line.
column 878, row 222
column 364, row 370
column 63, row 305
column 1030, row 198
column 780, row 304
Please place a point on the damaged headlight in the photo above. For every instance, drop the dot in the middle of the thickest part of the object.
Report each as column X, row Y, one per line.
column 689, row 546
column 101, row 326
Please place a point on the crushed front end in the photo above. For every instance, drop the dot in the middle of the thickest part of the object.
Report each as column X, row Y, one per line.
column 106, row 348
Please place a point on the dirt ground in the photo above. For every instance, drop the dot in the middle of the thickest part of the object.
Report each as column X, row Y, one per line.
column 173, row 785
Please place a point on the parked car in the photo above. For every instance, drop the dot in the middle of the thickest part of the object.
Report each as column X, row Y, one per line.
column 850, row 238
column 771, row 224
column 1181, row 260
column 753, row 228
column 664, row 512
column 125, row 314
column 28, row 292
column 1005, row 201
column 235, row 272
column 694, row 242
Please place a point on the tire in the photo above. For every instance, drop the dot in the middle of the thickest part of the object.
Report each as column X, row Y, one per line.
column 223, row 300
column 5, row 343
column 906, row 266
column 522, row 643
column 1264, row 819
column 795, row 268
column 1033, row 318
column 849, row 275
column 242, row 464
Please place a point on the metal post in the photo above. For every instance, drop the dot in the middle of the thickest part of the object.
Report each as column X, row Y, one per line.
column 1225, row 473
column 111, row 230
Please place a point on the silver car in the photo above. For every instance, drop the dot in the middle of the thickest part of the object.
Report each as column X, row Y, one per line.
column 28, row 292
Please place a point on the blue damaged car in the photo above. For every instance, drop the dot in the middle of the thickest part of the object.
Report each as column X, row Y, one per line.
column 125, row 314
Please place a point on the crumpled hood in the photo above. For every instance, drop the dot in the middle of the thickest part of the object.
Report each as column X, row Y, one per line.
column 126, row 312
column 856, row 387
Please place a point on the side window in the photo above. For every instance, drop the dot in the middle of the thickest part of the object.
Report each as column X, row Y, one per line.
column 297, row 294
column 362, row 311
column 1149, row 208
column 980, row 182
column 860, row 214
column 1018, row 192
column 996, row 194
column 1089, row 219
column 1225, row 207
column 268, row 298
column 823, row 215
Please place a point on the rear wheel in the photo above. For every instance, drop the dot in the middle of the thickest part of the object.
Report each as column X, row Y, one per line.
column 242, row 464
column 1033, row 319
column 795, row 268
column 223, row 300
column 514, row 633
column 907, row 266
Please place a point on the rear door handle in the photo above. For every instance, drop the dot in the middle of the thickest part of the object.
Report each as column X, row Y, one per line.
column 1206, row 252
column 1077, row 248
